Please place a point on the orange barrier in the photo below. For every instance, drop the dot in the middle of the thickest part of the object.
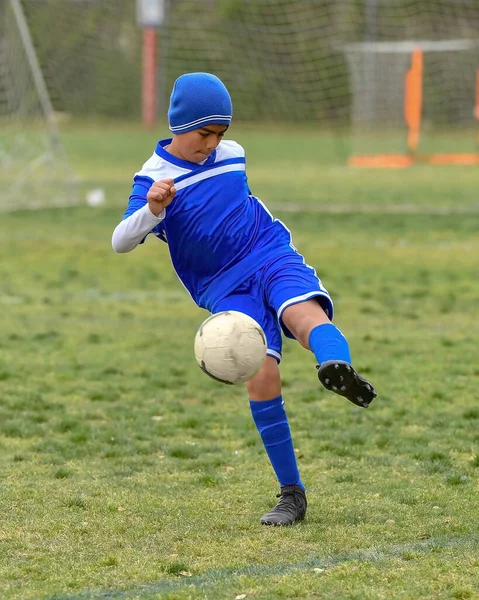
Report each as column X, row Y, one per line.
column 381, row 161
column 401, row 161
column 452, row 159
column 413, row 99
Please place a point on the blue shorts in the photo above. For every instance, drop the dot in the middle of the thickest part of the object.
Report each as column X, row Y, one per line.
column 266, row 294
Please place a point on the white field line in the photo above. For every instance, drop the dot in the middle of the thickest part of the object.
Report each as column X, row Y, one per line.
column 292, row 207
column 393, row 209
column 98, row 296
column 315, row 565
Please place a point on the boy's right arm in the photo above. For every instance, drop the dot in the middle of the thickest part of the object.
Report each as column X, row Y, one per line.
column 129, row 233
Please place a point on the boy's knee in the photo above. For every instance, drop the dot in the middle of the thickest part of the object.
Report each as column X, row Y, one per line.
column 266, row 384
column 302, row 318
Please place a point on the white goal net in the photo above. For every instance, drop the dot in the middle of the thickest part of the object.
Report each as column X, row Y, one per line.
column 33, row 168
column 397, row 77
column 373, row 76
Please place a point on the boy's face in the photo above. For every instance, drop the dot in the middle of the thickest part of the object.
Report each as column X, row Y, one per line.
column 195, row 146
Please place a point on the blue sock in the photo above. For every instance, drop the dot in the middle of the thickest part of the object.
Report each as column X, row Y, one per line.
column 328, row 343
column 272, row 423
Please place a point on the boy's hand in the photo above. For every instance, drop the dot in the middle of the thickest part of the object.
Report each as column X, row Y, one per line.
column 160, row 195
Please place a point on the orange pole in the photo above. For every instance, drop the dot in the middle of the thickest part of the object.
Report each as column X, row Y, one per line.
column 413, row 99
column 149, row 77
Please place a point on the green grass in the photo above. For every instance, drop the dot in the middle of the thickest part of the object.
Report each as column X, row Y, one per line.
column 126, row 473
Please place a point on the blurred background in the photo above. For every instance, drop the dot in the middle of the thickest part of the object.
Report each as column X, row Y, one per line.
column 381, row 79
column 121, row 464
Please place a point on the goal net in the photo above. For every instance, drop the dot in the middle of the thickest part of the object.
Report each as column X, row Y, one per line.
column 391, row 78
column 366, row 77
column 33, row 168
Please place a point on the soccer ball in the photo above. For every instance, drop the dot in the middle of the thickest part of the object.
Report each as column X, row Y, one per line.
column 230, row 347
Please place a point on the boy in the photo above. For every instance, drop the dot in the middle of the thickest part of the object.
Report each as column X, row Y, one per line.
column 232, row 254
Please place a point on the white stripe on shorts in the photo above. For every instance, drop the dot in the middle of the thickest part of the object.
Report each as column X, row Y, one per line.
column 274, row 354
column 299, row 299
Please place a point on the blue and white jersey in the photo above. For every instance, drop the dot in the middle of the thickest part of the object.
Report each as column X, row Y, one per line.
column 218, row 233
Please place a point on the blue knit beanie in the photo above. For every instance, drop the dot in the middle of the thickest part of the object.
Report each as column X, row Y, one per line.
column 198, row 99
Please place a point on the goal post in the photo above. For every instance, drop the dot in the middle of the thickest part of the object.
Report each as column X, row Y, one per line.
column 414, row 101
column 34, row 172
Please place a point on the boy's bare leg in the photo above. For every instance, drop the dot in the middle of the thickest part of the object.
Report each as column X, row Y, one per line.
column 335, row 372
column 266, row 384
column 302, row 318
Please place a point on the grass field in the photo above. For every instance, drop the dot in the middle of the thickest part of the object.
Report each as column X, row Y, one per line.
column 126, row 473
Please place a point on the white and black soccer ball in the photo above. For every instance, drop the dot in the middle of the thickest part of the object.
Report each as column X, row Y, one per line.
column 230, row 347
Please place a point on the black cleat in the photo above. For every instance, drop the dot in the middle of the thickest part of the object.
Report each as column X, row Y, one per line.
column 291, row 507
column 340, row 377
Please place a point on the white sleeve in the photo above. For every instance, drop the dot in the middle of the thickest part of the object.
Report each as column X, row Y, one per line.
column 129, row 233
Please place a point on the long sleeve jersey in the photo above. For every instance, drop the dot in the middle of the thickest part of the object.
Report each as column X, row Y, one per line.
column 217, row 232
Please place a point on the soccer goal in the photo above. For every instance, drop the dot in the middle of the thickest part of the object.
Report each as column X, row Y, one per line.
column 414, row 101
column 34, row 172
column 389, row 82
